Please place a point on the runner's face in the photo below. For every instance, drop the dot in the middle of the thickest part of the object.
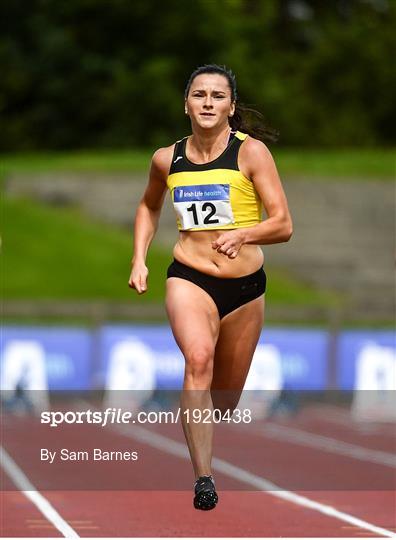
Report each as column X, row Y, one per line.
column 208, row 103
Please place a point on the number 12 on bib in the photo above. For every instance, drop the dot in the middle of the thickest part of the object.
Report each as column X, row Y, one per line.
column 203, row 206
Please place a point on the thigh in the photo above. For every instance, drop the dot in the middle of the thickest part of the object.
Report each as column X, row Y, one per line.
column 192, row 314
column 239, row 333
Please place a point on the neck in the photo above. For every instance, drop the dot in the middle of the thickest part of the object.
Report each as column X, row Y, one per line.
column 207, row 142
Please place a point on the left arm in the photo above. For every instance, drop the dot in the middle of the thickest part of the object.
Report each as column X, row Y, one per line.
column 257, row 164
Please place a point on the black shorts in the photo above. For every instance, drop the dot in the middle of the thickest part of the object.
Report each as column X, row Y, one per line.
column 227, row 293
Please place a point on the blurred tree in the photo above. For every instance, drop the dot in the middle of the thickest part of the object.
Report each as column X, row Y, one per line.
column 94, row 73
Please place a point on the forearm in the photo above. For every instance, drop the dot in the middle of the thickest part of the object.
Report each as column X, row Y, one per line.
column 273, row 230
column 146, row 224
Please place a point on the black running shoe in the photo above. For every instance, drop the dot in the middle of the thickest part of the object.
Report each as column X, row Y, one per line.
column 205, row 494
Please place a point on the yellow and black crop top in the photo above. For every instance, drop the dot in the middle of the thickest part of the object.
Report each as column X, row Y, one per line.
column 214, row 195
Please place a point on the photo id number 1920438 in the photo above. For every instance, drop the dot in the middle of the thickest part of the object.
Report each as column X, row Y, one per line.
column 207, row 416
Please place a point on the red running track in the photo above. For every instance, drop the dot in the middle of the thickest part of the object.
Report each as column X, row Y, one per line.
column 241, row 512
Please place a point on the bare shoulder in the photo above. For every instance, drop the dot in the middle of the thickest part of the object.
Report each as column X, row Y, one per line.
column 162, row 158
column 254, row 155
column 253, row 149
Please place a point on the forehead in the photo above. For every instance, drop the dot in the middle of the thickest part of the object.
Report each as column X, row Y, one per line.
column 210, row 81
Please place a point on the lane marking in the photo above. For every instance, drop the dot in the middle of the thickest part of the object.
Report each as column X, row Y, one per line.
column 322, row 442
column 22, row 482
column 87, row 527
column 80, row 521
column 175, row 448
column 334, row 415
column 276, row 491
column 47, row 526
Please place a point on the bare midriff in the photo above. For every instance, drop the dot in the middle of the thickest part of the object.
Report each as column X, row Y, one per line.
column 194, row 248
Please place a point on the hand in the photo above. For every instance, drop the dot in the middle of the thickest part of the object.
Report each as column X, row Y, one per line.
column 138, row 278
column 229, row 243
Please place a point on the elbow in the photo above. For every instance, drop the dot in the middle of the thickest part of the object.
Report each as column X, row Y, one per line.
column 287, row 231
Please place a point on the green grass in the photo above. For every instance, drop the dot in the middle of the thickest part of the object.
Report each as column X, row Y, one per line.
column 76, row 161
column 80, row 161
column 341, row 163
column 317, row 163
column 284, row 289
column 59, row 254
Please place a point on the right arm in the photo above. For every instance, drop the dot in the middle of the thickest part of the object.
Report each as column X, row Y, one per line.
column 147, row 217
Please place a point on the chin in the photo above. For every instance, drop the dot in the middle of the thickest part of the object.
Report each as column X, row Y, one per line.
column 207, row 124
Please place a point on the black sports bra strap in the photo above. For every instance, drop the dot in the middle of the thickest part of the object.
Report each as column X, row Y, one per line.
column 231, row 137
column 227, row 160
column 182, row 148
column 178, row 152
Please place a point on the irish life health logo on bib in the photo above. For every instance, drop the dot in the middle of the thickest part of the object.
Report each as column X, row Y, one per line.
column 203, row 206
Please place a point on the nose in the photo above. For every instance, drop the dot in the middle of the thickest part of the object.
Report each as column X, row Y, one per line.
column 208, row 102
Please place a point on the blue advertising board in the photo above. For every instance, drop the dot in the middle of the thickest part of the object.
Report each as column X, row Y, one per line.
column 300, row 355
column 51, row 358
column 148, row 353
column 303, row 354
column 143, row 357
column 366, row 360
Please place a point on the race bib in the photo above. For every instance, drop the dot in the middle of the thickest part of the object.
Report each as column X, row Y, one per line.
column 205, row 205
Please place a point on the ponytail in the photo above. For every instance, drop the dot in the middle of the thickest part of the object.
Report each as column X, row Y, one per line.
column 252, row 122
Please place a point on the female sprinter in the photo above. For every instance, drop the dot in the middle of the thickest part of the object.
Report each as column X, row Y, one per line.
column 219, row 178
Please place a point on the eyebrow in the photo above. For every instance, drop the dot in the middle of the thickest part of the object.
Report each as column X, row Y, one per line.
column 214, row 91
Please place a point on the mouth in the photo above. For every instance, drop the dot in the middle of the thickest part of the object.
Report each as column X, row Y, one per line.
column 207, row 114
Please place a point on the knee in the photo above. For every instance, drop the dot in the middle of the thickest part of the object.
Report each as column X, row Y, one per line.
column 199, row 365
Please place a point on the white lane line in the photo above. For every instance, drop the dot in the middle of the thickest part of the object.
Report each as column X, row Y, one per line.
column 328, row 444
column 180, row 450
column 345, row 418
column 22, row 482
